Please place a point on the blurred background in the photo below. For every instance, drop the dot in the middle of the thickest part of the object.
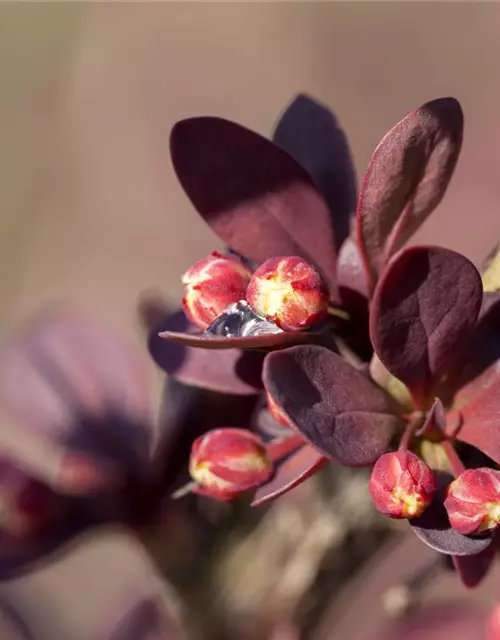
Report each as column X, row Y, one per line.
column 91, row 209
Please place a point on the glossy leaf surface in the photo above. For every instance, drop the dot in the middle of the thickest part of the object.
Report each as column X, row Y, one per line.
column 254, row 195
column 406, row 179
column 335, row 407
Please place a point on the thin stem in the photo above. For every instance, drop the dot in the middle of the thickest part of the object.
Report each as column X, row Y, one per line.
column 184, row 490
column 457, row 466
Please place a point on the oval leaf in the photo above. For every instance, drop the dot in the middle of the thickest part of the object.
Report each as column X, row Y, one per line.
column 406, row 179
column 310, row 132
column 289, row 473
column 255, row 196
column 433, row 527
column 266, row 341
column 423, row 313
column 336, row 408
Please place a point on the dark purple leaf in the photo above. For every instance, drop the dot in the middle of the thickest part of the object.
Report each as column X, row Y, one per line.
column 472, row 569
column 407, row 178
column 423, row 313
column 310, row 132
column 289, row 473
column 227, row 371
column 266, row 341
column 334, row 406
column 80, row 391
column 433, row 527
column 255, row 196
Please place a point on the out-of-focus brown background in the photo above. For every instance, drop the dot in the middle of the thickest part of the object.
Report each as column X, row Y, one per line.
column 90, row 207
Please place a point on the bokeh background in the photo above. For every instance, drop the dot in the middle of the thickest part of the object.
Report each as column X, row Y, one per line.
column 90, row 207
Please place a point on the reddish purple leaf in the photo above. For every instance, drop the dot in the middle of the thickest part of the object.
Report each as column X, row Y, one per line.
column 406, row 179
column 433, row 527
column 472, row 569
column 290, row 472
column 81, row 393
column 265, row 341
column 335, row 407
column 227, row 371
column 482, row 351
column 310, row 132
column 255, row 196
column 423, row 313
column 475, row 414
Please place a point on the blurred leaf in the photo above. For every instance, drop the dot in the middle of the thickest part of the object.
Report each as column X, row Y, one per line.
column 81, row 392
column 254, row 195
column 310, row 132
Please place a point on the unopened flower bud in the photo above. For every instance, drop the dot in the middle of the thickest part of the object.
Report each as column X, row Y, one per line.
column 402, row 485
column 473, row 501
column 211, row 285
column 226, row 462
column 289, row 292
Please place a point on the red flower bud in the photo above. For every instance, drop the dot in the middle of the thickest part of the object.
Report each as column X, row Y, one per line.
column 473, row 501
column 289, row 292
column 402, row 485
column 226, row 462
column 211, row 285
column 276, row 412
